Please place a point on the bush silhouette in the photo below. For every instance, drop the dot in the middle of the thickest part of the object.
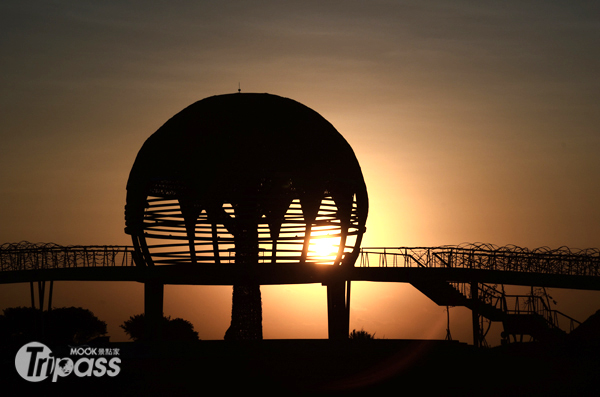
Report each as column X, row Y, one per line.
column 361, row 335
column 172, row 330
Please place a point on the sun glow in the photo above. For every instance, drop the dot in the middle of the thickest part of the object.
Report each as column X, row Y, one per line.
column 324, row 247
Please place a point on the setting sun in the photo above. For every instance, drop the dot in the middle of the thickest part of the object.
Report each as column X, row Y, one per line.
column 323, row 247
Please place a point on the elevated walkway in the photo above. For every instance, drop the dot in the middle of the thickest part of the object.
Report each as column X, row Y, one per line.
column 449, row 275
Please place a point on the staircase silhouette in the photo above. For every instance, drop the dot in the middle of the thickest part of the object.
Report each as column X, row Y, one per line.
column 521, row 322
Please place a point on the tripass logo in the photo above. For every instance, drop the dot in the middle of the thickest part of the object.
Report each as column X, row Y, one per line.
column 35, row 362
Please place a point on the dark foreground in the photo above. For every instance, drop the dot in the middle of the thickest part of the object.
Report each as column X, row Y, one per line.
column 377, row 367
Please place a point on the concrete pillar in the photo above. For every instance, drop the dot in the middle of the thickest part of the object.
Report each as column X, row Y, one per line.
column 153, row 310
column 338, row 310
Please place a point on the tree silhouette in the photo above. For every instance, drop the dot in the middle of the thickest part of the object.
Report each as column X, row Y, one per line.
column 64, row 325
column 20, row 324
column 172, row 329
column 74, row 325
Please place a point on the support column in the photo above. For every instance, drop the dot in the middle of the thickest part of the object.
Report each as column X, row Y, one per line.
column 475, row 313
column 153, row 310
column 246, row 313
column 32, row 295
column 41, row 293
column 50, row 295
column 338, row 310
column 41, row 287
column 41, row 290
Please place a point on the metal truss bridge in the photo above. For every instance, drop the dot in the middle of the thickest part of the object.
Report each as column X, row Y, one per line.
column 474, row 275
column 470, row 275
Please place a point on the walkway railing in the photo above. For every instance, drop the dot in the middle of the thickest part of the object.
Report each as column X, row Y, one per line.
column 28, row 256
column 561, row 261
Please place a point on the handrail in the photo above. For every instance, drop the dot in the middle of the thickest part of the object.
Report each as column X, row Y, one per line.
column 28, row 256
column 561, row 261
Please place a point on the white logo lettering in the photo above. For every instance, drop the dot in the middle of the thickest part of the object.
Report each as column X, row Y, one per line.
column 35, row 362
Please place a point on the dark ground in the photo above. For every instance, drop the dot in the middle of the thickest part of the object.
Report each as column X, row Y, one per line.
column 376, row 367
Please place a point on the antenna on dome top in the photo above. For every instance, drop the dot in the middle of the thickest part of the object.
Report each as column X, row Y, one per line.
column 239, row 88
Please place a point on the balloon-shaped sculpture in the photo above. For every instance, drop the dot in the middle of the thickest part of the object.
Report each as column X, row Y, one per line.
column 244, row 179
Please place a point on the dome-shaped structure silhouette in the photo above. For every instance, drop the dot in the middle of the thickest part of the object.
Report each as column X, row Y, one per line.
column 246, row 178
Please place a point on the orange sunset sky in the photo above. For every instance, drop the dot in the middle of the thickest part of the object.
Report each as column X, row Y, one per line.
column 473, row 121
